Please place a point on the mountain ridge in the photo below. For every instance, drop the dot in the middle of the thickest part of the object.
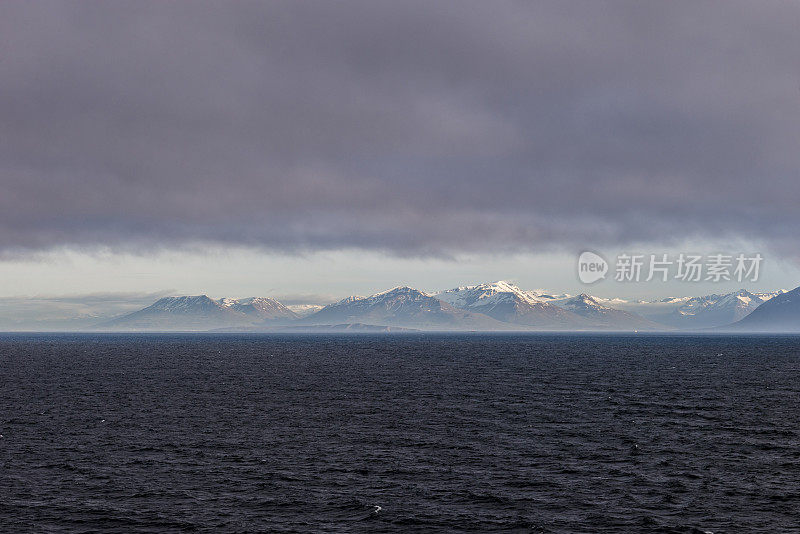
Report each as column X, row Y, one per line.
column 492, row 306
column 201, row 312
column 406, row 307
column 506, row 302
column 779, row 314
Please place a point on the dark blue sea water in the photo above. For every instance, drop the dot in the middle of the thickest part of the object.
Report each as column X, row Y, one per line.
column 403, row 433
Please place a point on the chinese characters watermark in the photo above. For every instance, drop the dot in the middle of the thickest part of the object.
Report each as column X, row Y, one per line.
column 663, row 267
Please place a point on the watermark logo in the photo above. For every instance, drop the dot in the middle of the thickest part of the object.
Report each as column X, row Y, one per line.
column 591, row 267
column 663, row 267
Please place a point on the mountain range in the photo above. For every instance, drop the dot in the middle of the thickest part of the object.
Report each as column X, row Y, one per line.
column 405, row 307
column 497, row 306
column 714, row 310
column 778, row 314
column 507, row 303
column 203, row 313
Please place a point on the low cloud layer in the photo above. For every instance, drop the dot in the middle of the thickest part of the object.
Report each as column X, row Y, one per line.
column 412, row 127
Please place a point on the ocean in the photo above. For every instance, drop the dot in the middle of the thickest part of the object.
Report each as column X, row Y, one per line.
column 399, row 433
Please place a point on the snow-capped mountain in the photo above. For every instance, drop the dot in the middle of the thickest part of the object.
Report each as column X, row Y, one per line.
column 739, row 303
column 407, row 307
column 259, row 307
column 303, row 310
column 488, row 306
column 770, row 294
column 201, row 313
column 506, row 302
column 780, row 313
column 714, row 310
column 601, row 316
column 645, row 308
column 482, row 295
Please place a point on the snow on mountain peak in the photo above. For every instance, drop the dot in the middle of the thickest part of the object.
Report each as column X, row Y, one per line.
column 398, row 291
column 728, row 307
column 487, row 294
column 183, row 302
column 348, row 300
column 581, row 302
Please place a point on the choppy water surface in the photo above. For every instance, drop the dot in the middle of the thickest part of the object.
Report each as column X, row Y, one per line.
column 399, row 434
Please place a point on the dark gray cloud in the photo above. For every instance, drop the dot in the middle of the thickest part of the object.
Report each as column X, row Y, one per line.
column 406, row 126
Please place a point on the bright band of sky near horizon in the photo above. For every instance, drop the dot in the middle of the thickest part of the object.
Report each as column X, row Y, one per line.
column 328, row 276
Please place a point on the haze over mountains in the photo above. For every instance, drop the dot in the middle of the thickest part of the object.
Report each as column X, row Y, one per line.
column 605, row 317
column 714, row 310
column 406, row 307
column 778, row 314
column 508, row 303
column 202, row 313
column 498, row 306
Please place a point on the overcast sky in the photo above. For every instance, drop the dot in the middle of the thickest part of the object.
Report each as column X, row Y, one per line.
column 423, row 130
